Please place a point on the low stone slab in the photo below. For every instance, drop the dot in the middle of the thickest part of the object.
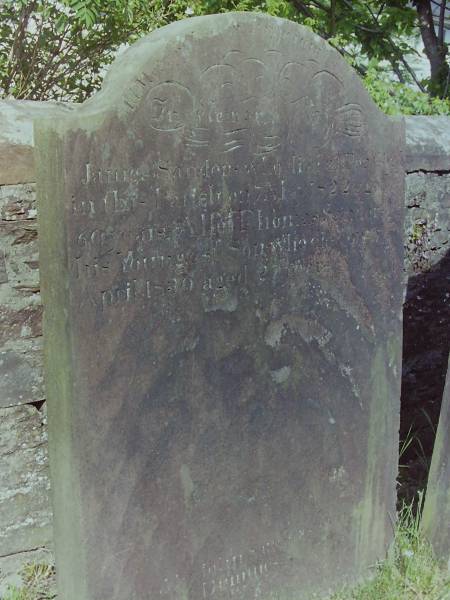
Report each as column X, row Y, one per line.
column 428, row 143
column 16, row 137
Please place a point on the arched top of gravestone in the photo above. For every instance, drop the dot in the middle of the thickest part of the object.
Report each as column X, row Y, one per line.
column 248, row 59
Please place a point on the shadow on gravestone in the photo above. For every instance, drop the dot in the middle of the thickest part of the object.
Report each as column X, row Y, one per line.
column 426, row 343
column 221, row 250
column 436, row 512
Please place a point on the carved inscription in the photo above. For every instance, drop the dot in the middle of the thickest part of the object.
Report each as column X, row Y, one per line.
column 238, row 222
column 237, row 575
column 263, row 222
column 257, row 224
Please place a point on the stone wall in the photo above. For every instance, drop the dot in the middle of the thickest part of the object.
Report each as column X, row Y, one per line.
column 426, row 313
column 25, row 513
column 427, row 223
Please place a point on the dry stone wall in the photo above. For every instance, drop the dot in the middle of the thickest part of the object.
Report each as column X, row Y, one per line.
column 426, row 312
column 427, row 224
column 25, row 514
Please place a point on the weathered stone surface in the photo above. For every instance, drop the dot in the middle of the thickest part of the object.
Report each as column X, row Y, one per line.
column 436, row 513
column 221, row 250
column 18, row 244
column 16, row 137
column 18, row 163
column 11, row 567
column 17, row 203
column 25, row 514
column 3, row 272
column 21, row 379
column 428, row 143
column 427, row 223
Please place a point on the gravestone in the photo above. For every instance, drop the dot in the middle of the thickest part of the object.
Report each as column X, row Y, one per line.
column 221, row 249
column 436, row 511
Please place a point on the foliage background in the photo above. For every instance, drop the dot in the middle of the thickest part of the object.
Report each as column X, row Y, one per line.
column 58, row 50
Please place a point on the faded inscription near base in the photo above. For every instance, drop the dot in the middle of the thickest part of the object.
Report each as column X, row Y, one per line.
column 221, row 249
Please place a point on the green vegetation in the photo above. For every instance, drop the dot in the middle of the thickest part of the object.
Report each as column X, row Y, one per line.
column 58, row 50
column 39, row 584
column 410, row 571
column 52, row 50
column 399, row 98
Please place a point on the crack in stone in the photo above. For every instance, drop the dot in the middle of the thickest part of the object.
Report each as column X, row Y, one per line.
column 438, row 172
column 24, row 552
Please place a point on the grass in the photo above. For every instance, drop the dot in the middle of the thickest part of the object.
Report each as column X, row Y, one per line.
column 410, row 571
column 38, row 583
